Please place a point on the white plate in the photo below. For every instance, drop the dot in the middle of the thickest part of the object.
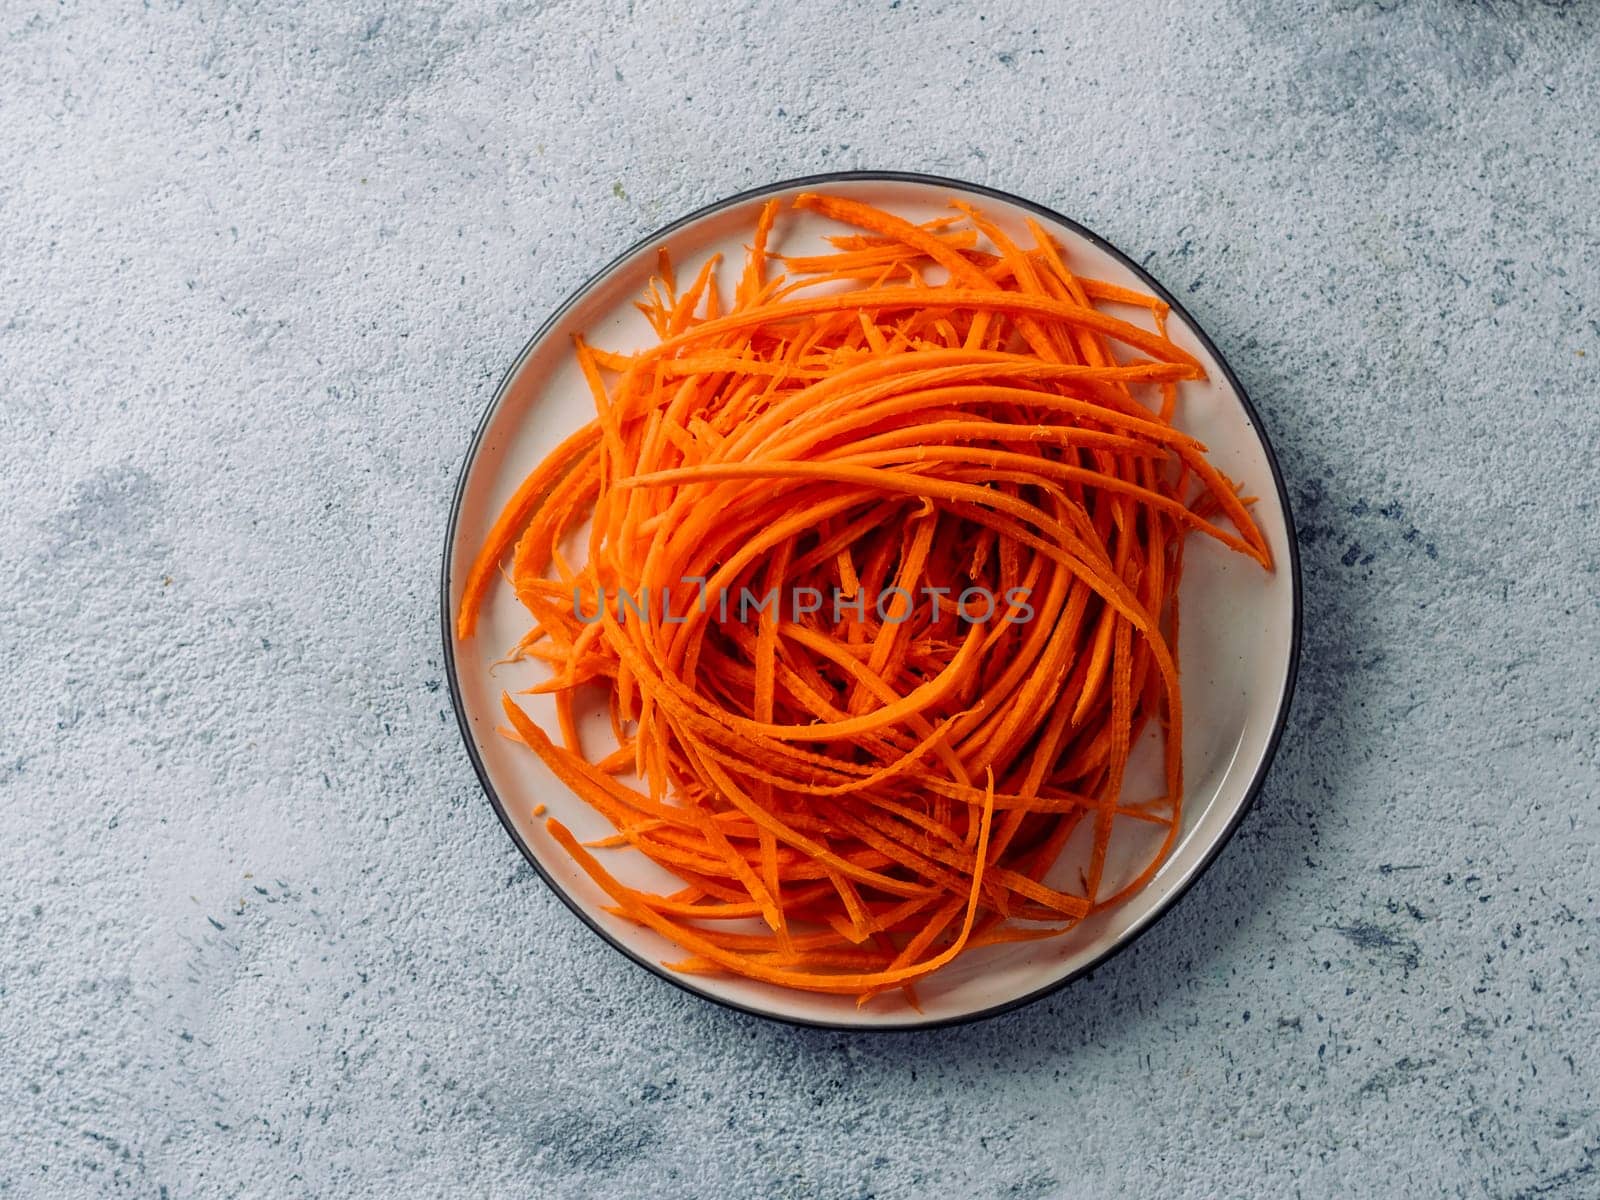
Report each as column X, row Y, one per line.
column 1238, row 648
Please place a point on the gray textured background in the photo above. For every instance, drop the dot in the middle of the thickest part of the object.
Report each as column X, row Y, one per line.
column 260, row 268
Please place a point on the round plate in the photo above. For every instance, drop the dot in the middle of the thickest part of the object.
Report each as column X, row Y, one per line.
column 1237, row 654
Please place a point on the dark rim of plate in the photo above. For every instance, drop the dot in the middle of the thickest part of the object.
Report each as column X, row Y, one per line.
column 937, row 181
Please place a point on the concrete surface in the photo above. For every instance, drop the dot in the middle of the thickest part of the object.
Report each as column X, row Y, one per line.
column 260, row 268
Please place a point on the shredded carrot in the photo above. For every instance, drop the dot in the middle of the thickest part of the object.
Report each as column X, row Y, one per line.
column 864, row 779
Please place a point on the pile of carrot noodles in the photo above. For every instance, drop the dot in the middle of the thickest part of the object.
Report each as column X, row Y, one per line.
column 875, row 563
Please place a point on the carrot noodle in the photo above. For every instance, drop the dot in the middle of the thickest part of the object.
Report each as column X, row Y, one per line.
column 854, row 797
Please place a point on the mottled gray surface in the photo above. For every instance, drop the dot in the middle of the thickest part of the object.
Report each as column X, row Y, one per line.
column 260, row 267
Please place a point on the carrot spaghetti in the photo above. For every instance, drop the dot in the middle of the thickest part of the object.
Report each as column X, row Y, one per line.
column 941, row 479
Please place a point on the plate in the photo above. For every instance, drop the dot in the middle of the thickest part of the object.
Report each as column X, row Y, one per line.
column 1237, row 654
